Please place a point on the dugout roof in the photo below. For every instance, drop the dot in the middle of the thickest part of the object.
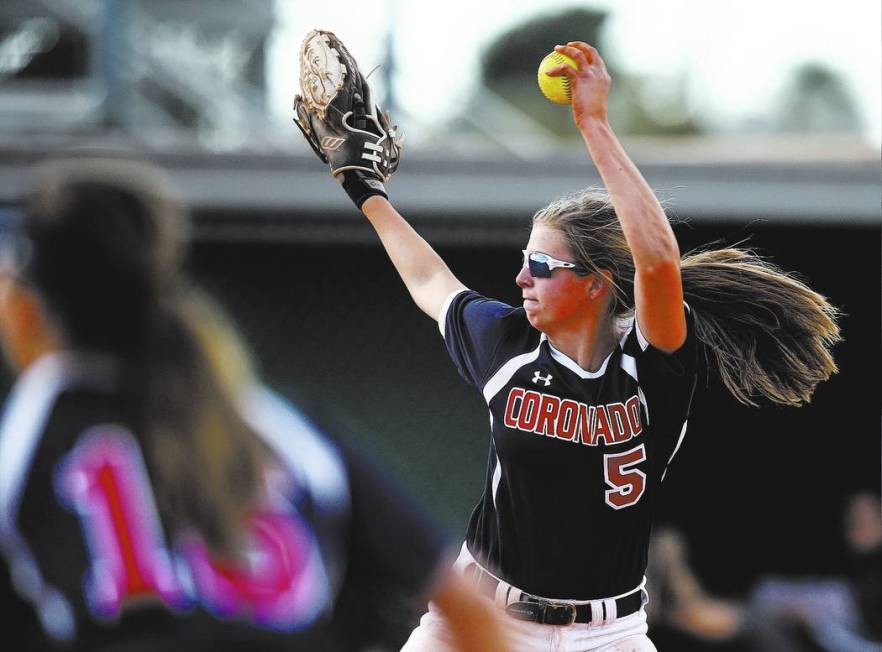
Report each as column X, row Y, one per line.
column 481, row 200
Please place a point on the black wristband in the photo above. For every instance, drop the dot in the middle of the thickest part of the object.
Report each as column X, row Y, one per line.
column 360, row 186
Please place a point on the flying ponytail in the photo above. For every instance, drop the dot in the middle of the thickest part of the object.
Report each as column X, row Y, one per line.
column 766, row 333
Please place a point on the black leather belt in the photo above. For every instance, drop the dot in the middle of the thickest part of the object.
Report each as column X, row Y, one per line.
column 550, row 612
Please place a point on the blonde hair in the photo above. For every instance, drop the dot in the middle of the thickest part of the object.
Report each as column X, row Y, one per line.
column 764, row 332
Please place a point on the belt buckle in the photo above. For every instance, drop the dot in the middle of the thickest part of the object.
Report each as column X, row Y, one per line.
column 557, row 606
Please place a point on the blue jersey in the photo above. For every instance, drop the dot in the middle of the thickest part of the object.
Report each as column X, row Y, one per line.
column 576, row 457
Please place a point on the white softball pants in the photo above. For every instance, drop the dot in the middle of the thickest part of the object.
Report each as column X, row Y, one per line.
column 626, row 634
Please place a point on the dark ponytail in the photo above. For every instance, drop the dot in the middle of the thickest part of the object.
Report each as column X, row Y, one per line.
column 106, row 238
column 765, row 333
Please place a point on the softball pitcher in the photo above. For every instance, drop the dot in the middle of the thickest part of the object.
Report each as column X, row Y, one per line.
column 589, row 382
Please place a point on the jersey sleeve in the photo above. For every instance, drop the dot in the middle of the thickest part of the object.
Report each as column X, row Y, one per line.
column 667, row 383
column 396, row 557
column 474, row 327
column 660, row 367
column 391, row 540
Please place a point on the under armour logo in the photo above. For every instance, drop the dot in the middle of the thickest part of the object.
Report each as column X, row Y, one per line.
column 538, row 376
column 332, row 143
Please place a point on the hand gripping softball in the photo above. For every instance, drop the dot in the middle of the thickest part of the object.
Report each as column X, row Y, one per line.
column 344, row 127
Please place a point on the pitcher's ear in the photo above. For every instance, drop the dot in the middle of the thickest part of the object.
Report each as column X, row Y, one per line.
column 600, row 282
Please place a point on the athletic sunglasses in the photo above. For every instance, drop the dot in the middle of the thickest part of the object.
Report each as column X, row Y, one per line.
column 542, row 265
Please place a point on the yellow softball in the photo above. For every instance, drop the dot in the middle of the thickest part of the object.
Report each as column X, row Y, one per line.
column 556, row 89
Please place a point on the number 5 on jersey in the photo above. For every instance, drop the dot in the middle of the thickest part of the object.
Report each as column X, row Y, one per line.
column 627, row 484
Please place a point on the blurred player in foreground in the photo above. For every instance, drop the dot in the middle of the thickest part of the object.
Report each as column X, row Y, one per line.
column 589, row 383
column 152, row 498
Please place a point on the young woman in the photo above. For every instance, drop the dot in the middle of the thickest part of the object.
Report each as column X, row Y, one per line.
column 153, row 495
column 589, row 384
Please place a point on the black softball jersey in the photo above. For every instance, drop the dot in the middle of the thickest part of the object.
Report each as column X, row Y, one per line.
column 576, row 457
